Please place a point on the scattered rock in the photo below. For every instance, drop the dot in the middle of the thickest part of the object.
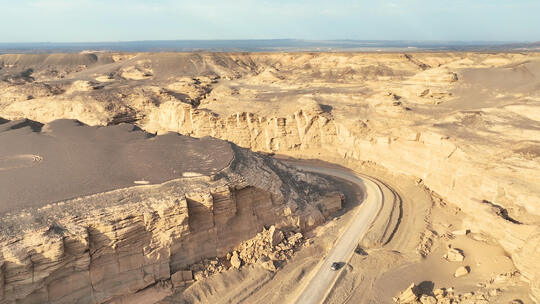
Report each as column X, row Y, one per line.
column 461, row 271
column 267, row 248
column 454, row 255
column 235, row 260
column 480, row 297
column 268, row 264
column 408, row 295
column 276, row 236
column 439, row 292
column 424, row 93
column 468, row 295
column 425, row 299
column 444, row 301
column 295, row 238
column 416, row 295
column 461, row 232
column 494, row 292
column 424, row 248
column 200, row 275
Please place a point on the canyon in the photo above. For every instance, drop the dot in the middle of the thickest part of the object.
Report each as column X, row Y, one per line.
column 464, row 126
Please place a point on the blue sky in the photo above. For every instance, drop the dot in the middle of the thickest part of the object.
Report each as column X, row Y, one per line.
column 127, row 20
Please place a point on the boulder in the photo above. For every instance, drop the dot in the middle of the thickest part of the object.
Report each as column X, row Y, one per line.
column 461, row 232
column 444, row 301
column 408, row 295
column 267, row 264
column 454, row 255
column 439, row 292
column 235, row 260
column 425, row 299
column 295, row 238
column 270, row 265
column 461, row 271
column 494, row 292
column 276, row 236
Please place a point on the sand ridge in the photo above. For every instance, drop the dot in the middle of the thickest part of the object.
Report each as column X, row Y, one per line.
column 65, row 159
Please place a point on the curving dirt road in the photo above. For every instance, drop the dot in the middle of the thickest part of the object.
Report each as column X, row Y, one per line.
column 323, row 278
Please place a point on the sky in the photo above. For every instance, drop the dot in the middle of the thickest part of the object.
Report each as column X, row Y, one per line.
column 135, row 20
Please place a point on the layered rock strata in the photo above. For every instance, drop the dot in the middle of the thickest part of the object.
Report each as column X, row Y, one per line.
column 446, row 165
column 464, row 124
column 96, row 248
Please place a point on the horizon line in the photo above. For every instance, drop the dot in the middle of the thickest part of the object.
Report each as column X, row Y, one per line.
column 273, row 39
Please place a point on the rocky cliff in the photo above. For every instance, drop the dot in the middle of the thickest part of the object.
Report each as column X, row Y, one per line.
column 99, row 248
column 486, row 192
column 464, row 124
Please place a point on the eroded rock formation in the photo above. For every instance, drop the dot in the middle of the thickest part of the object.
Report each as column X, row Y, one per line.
column 465, row 125
column 96, row 248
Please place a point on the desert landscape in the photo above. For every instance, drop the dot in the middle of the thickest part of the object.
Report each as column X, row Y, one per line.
column 239, row 177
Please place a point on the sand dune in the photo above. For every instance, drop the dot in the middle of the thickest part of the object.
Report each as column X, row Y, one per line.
column 71, row 159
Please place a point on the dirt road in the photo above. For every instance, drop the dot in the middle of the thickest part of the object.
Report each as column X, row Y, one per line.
column 324, row 278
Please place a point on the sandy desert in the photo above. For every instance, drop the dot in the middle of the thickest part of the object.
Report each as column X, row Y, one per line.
column 235, row 177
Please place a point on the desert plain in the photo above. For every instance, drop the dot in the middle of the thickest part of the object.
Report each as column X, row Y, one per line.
column 225, row 177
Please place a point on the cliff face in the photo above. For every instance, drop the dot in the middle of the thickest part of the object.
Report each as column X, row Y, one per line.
column 498, row 201
column 303, row 129
column 466, row 124
column 101, row 247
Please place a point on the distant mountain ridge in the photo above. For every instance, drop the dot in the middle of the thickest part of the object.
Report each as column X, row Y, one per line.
column 266, row 45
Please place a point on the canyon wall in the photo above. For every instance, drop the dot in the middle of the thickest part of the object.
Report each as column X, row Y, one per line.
column 498, row 201
column 100, row 248
column 464, row 124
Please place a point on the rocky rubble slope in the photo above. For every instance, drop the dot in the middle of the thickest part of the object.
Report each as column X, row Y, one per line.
column 414, row 295
column 464, row 124
column 270, row 249
column 99, row 248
